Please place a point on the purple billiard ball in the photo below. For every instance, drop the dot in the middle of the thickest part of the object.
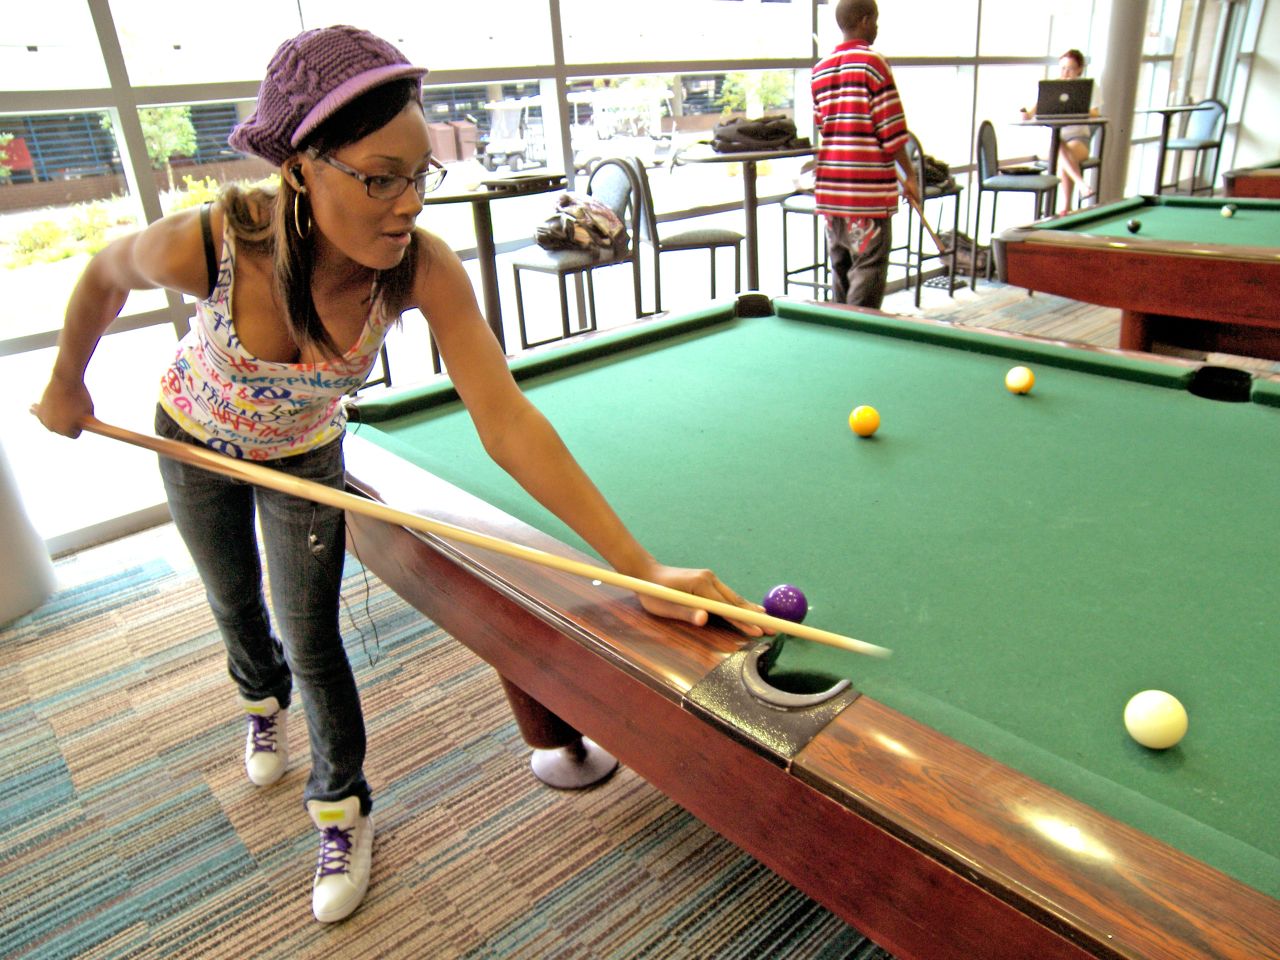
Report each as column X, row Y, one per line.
column 786, row 602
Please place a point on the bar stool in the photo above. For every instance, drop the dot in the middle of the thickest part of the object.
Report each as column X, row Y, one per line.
column 929, row 192
column 1203, row 132
column 815, row 275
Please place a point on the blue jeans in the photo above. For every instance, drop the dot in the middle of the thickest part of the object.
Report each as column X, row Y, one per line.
column 304, row 544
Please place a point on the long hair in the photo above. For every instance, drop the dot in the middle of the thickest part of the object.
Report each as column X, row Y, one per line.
column 262, row 219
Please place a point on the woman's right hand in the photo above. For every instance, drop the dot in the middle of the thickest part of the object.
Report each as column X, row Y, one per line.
column 64, row 406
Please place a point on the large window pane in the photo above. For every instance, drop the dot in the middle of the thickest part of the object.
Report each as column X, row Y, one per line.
column 923, row 28
column 189, row 154
column 67, row 485
column 684, row 30
column 163, row 43
column 937, row 103
column 65, row 198
column 50, row 45
column 1016, row 28
column 451, row 36
column 1002, row 92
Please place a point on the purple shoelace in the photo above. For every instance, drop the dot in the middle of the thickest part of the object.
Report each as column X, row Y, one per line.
column 335, row 850
column 263, row 732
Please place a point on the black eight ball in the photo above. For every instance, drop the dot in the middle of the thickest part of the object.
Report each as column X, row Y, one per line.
column 1134, row 226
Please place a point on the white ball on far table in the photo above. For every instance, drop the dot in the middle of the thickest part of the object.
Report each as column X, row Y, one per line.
column 1155, row 719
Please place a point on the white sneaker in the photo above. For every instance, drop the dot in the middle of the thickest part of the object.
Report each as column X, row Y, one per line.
column 266, row 748
column 346, row 855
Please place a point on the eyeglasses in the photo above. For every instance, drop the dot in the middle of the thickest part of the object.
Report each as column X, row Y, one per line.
column 388, row 186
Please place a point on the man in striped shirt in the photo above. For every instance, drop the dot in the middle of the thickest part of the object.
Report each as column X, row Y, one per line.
column 863, row 133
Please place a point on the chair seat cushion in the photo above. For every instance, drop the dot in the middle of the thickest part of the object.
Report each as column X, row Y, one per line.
column 932, row 192
column 561, row 261
column 711, row 237
column 800, row 203
column 1020, row 181
column 1186, row 143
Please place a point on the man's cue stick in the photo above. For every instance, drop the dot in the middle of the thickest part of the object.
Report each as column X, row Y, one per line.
column 310, row 490
column 919, row 208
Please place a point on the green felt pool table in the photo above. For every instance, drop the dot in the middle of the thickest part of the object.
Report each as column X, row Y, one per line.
column 1032, row 561
column 1189, row 277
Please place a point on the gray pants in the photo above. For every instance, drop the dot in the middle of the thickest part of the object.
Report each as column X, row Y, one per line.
column 859, row 259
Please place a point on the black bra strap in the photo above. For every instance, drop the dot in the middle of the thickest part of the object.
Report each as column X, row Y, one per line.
column 210, row 261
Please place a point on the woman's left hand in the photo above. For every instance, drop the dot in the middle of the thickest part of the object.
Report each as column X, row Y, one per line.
column 701, row 583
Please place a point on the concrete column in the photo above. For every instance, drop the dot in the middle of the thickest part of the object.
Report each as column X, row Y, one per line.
column 1120, row 91
column 28, row 573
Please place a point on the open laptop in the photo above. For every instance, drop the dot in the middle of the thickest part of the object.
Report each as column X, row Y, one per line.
column 1064, row 98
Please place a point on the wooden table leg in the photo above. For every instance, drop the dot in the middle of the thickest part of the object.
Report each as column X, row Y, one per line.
column 562, row 757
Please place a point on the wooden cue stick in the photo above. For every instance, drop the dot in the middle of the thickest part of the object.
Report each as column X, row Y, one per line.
column 923, row 219
column 310, row 490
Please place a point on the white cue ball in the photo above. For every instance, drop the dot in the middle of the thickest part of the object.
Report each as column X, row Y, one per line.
column 1155, row 719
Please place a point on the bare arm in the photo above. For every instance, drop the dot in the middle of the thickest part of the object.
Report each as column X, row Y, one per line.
column 525, row 444
column 166, row 254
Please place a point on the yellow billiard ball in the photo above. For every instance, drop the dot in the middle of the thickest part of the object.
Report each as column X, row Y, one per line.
column 1155, row 719
column 864, row 421
column 1020, row 380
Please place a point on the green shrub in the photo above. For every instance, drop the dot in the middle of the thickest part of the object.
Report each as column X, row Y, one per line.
column 84, row 228
column 42, row 242
column 205, row 190
column 89, row 225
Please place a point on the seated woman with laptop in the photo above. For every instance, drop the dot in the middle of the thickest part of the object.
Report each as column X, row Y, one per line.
column 1074, row 145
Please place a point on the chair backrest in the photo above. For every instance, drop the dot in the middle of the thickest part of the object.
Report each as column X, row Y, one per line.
column 916, row 155
column 613, row 182
column 988, row 157
column 1206, row 124
column 648, row 219
column 1096, row 141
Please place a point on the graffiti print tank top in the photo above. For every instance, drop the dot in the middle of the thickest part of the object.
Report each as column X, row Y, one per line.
column 255, row 409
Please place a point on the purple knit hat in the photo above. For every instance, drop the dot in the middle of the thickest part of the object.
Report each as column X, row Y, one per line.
column 310, row 78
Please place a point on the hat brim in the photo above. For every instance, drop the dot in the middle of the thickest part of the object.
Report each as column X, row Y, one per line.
column 348, row 90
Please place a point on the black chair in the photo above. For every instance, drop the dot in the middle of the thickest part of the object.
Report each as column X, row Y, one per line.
column 1097, row 140
column 916, row 255
column 992, row 180
column 705, row 238
column 816, row 274
column 1203, row 132
column 614, row 183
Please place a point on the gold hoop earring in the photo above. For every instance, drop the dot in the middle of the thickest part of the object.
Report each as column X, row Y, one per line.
column 297, row 218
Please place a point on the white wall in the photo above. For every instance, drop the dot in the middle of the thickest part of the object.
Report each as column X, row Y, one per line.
column 1258, row 142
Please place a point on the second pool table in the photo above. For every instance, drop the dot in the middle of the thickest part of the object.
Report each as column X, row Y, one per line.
column 1189, row 277
column 1032, row 561
column 1260, row 181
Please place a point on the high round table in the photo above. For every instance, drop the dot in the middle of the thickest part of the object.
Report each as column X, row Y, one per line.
column 702, row 153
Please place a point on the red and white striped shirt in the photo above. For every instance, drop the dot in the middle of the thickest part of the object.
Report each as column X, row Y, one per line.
column 857, row 112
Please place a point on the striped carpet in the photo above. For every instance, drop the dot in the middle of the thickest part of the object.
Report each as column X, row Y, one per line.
column 130, row 829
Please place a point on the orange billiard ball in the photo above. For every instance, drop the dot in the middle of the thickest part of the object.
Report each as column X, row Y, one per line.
column 864, row 421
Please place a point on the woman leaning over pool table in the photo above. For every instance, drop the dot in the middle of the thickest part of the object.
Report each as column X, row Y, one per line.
column 321, row 267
